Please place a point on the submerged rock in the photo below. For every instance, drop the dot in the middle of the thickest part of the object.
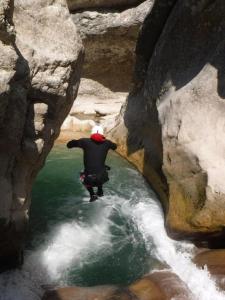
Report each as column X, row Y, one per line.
column 174, row 117
column 40, row 70
column 160, row 285
column 78, row 293
column 214, row 261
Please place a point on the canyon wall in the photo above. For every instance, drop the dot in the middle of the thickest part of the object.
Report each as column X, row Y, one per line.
column 172, row 126
column 109, row 31
column 40, row 66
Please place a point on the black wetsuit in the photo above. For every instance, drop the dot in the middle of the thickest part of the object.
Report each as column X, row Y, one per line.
column 95, row 153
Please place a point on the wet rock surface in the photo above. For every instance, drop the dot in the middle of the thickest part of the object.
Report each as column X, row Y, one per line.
column 214, row 261
column 160, row 285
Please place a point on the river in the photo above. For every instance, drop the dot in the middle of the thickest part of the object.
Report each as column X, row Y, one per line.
column 115, row 240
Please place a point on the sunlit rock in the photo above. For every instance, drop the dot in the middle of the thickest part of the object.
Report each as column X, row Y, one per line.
column 109, row 38
column 174, row 116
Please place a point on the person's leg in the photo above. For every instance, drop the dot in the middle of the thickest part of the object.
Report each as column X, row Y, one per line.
column 89, row 187
column 90, row 190
column 100, row 191
column 93, row 197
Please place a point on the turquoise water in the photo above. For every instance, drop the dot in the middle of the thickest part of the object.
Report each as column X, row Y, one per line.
column 114, row 240
column 59, row 199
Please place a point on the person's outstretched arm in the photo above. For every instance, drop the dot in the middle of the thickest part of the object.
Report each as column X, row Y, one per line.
column 75, row 144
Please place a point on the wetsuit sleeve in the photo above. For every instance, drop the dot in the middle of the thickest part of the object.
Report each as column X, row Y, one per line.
column 112, row 145
column 75, row 144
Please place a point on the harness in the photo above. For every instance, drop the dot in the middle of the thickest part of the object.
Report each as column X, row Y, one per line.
column 91, row 180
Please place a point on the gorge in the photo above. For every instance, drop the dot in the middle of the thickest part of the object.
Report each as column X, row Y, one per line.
column 153, row 75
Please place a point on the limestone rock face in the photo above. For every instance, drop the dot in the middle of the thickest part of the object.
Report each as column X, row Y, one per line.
column 174, row 117
column 95, row 99
column 109, row 35
column 14, row 84
column 109, row 38
column 40, row 70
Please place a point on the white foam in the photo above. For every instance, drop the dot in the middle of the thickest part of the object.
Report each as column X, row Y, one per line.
column 149, row 219
column 75, row 243
column 72, row 243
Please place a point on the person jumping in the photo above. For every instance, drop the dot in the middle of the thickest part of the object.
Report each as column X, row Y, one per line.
column 95, row 151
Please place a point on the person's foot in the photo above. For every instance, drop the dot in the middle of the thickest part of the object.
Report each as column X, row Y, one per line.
column 93, row 198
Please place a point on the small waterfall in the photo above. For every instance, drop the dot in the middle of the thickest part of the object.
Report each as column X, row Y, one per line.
column 178, row 255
